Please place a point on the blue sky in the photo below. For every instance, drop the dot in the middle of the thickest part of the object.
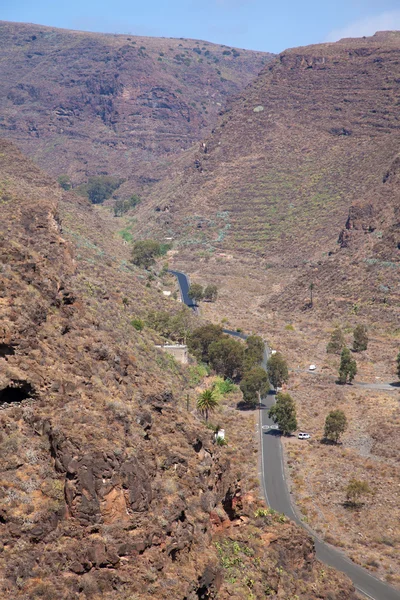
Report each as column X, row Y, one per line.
column 257, row 24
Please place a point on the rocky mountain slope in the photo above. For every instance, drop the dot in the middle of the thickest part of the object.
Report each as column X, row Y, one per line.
column 109, row 487
column 86, row 103
column 318, row 131
column 299, row 184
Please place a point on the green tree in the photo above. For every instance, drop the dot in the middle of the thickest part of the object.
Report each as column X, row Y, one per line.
column 254, row 385
column 65, row 182
column 99, row 188
column 277, row 368
column 226, row 357
column 335, row 425
column 200, row 339
column 336, row 343
column 355, row 490
column 196, row 292
column 283, row 412
column 122, row 206
column 348, row 367
column 210, row 293
column 175, row 327
column 254, row 352
column 360, row 342
column 207, row 402
column 144, row 253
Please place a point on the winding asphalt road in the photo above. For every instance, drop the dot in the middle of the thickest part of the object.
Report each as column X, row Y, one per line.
column 277, row 494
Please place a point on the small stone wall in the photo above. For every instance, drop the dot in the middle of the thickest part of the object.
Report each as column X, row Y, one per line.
column 178, row 351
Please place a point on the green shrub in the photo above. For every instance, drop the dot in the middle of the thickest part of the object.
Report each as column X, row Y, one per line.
column 224, row 386
column 99, row 188
column 138, row 324
column 65, row 182
column 123, row 206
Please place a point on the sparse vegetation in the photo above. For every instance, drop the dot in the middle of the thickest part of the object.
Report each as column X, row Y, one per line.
column 138, row 324
column 311, row 288
column 65, row 182
column 224, row 386
column 355, row 490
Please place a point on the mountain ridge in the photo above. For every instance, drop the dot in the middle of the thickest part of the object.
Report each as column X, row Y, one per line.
column 83, row 104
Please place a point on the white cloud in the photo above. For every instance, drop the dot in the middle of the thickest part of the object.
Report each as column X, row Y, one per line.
column 386, row 21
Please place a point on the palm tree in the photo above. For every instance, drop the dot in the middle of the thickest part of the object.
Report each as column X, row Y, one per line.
column 207, row 402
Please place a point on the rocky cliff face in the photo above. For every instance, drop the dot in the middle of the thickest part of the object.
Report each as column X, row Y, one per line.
column 109, row 487
column 83, row 104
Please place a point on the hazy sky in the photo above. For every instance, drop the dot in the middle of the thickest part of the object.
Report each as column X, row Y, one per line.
column 257, row 24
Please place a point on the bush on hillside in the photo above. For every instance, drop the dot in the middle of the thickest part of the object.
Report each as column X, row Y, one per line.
column 144, row 253
column 99, row 188
column 123, row 206
column 65, row 182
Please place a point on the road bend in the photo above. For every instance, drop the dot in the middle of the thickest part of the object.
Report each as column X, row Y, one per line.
column 276, row 490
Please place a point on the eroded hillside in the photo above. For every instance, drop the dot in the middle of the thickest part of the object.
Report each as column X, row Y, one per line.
column 109, row 487
column 84, row 103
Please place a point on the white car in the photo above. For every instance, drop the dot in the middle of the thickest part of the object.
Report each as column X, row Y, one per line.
column 312, row 368
column 303, row 436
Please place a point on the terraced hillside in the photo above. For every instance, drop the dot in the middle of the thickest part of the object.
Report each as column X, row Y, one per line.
column 86, row 103
column 317, row 130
